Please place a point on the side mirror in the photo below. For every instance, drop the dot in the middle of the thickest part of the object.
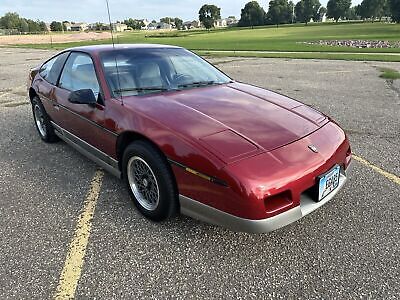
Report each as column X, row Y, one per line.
column 83, row 97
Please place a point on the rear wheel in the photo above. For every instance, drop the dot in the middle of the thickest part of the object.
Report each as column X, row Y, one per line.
column 150, row 181
column 42, row 122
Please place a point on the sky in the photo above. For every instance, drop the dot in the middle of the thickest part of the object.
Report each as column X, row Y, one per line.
column 95, row 10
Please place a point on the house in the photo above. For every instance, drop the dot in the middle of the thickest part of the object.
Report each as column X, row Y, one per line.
column 231, row 21
column 67, row 26
column 79, row 26
column 191, row 24
column 98, row 26
column 164, row 26
column 145, row 22
column 119, row 27
column 152, row 26
column 220, row 23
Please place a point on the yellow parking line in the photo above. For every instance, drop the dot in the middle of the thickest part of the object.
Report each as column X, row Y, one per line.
column 73, row 264
column 388, row 175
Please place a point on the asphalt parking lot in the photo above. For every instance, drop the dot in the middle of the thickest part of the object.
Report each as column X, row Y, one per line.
column 348, row 249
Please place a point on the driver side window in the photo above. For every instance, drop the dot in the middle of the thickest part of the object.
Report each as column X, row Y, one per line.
column 79, row 74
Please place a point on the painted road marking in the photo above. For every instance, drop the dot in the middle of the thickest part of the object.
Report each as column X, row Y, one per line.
column 388, row 175
column 77, row 249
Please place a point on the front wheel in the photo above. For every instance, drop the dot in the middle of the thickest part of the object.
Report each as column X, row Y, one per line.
column 42, row 122
column 150, row 181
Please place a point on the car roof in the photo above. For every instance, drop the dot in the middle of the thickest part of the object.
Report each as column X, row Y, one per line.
column 94, row 49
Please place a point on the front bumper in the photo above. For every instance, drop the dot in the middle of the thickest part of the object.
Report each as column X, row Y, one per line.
column 212, row 215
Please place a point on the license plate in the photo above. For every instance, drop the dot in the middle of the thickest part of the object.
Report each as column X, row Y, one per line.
column 328, row 182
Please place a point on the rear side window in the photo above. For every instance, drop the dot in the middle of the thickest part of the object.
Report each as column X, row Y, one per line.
column 79, row 74
column 51, row 70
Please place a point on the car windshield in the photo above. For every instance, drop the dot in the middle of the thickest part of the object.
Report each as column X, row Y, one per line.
column 133, row 72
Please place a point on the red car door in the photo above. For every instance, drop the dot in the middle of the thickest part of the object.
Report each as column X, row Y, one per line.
column 46, row 82
column 85, row 123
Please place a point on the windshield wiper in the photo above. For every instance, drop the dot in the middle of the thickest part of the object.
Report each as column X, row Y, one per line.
column 198, row 83
column 141, row 89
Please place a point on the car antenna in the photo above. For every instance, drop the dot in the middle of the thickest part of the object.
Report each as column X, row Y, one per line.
column 115, row 56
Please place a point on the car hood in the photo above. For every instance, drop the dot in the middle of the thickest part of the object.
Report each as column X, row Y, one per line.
column 233, row 115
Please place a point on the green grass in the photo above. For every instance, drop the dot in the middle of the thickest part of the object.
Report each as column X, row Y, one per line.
column 289, row 38
column 388, row 73
column 310, row 55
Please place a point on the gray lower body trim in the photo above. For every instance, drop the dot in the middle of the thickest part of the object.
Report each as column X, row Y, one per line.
column 202, row 212
column 103, row 160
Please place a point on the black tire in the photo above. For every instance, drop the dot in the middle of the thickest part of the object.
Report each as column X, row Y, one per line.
column 146, row 155
column 45, row 130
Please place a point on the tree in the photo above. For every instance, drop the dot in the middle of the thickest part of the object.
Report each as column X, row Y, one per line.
column 358, row 9
column 134, row 24
column 311, row 8
column 351, row 14
column 279, row 12
column 178, row 23
column 252, row 15
column 15, row 22
column 338, row 9
column 384, row 10
column 23, row 26
column 42, row 26
column 56, row 26
column 208, row 14
column 395, row 10
column 307, row 9
column 320, row 14
column 373, row 9
column 10, row 21
column 98, row 26
column 299, row 11
column 167, row 20
column 33, row 26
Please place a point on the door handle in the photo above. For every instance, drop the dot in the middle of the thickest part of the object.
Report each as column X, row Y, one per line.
column 56, row 106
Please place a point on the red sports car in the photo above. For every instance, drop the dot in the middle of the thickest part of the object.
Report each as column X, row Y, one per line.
column 187, row 138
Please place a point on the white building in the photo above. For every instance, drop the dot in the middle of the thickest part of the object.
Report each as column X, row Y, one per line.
column 220, row 23
column 119, row 27
column 145, row 22
column 164, row 26
column 79, row 27
column 231, row 21
column 67, row 26
column 152, row 26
